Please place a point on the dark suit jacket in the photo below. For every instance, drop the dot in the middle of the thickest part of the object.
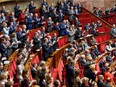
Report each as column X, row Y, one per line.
column 31, row 8
column 45, row 49
column 70, row 73
column 109, row 58
column 17, row 11
column 33, row 73
column 3, row 50
column 91, row 75
column 37, row 43
column 100, row 83
column 85, row 85
column 25, row 82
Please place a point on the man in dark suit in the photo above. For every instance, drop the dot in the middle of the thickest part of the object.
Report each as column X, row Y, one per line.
column 78, row 33
column 45, row 49
column 71, row 74
column 99, row 12
column 79, row 6
column 63, row 28
column 3, row 48
column 17, row 10
column 45, row 4
column 107, row 13
column 113, row 10
column 60, row 16
column 113, row 31
column 33, row 70
column 30, row 21
column 100, row 81
column 102, row 65
column 51, row 50
column 109, row 58
column 36, row 41
column 3, row 10
column 55, row 41
column 32, row 7
column 36, row 21
column 96, row 51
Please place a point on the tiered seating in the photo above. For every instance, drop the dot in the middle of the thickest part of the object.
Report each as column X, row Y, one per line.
column 102, row 39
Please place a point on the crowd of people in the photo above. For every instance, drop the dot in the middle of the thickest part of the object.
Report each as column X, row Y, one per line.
column 107, row 13
column 52, row 18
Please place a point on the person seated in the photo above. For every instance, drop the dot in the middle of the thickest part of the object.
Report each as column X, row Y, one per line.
column 92, row 25
column 109, row 58
column 87, row 28
column 93, row 41
column 113, row 31
column 94, row 30
column 99, row 23
column 93, row 55
column 32, row 7
column 108, row 47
